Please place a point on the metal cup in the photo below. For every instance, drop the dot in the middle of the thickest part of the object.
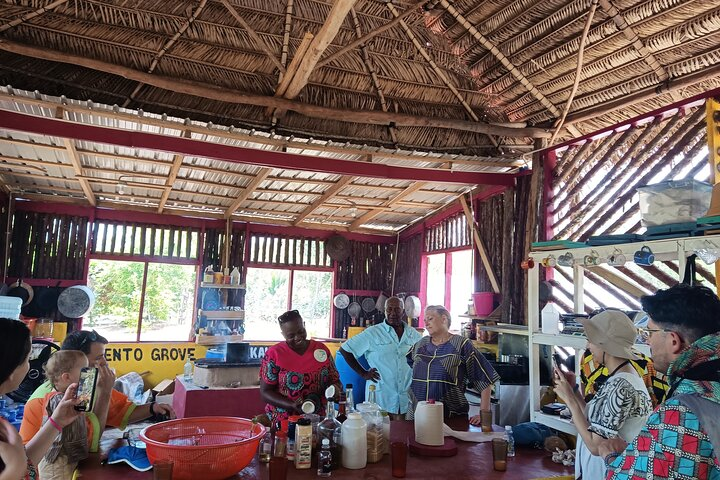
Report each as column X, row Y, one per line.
column 527, row 264
column 549, row 261
column 644, row 256
column 566, row 260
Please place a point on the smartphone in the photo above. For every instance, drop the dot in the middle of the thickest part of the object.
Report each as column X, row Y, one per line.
column 559, row 362
column 86, row 389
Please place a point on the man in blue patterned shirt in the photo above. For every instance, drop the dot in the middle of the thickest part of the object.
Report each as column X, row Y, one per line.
column 681, row 439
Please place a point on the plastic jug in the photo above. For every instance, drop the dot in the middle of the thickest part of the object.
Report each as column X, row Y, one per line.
column 354, row 442
column 550, row 319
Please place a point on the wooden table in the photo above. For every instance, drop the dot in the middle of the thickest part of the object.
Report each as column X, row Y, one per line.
column 473, row 461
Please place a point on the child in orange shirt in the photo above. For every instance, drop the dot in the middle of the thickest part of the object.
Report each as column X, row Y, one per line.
column 71, row 445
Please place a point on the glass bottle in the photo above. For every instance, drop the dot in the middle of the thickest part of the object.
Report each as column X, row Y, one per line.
column 329, row 430
column 350, row 400
column 280, row 447
column 188, row 371
column 266, row 445
column 325, row 459
column 342, row 415
column 510, row 440
column 303, row 444
column 375, row 438
column 290, row 448
column 386, row 430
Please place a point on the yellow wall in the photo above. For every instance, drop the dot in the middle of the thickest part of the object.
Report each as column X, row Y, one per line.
column 163, row 360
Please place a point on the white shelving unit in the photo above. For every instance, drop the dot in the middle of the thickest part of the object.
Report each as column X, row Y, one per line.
column 666, row 249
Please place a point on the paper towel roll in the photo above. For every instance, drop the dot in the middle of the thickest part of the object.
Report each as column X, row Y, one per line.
column 429, row 423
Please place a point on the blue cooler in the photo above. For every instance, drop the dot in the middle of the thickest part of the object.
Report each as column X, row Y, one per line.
column 348, row 375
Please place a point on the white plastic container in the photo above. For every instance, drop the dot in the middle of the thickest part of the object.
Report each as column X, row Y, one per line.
column 550, row 319
column 354, row 442
column 235, row 276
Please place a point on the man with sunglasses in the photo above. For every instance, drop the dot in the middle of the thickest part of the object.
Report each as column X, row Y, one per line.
column 121, row 410
column 682, row 436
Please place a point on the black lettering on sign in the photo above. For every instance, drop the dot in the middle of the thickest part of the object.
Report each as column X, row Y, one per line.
column 108, row 356
column 191, row 353
column 138, row 354
column 155, row 354
column 116, row 355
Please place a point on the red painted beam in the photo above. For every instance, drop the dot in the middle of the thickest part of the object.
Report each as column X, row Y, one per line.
column 229, row 153
column 638, row 119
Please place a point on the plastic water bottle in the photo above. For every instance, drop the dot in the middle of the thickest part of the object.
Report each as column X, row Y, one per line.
column 325, row 459
column 510, row 440
column 188, row 371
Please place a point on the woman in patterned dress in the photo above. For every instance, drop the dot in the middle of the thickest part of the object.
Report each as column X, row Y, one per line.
column 622, row 404
column 443, row 364
column 295, row 370
column 17, row 462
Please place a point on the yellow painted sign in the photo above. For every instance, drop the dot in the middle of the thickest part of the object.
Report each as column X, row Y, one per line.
column 161, row 360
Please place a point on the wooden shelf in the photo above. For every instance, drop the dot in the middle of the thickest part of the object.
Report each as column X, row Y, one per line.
column 554, row 421
column 507, row 328
column 223, row 285
column 479, row 317
column 218, row 339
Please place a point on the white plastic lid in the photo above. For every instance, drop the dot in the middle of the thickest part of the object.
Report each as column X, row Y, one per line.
column 508, row 428
column 308, row 407
column 325, row 441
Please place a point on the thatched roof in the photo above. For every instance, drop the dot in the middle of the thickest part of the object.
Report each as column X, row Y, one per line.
column 469, row 84
column 470, row 60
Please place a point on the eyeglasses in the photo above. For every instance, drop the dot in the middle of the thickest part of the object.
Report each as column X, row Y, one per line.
column 646, row 333
column 289, row 315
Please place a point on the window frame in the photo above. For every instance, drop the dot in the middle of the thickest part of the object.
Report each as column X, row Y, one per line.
column 447, row 253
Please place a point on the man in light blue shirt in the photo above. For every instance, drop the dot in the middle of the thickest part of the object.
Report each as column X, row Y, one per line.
column 385, row 347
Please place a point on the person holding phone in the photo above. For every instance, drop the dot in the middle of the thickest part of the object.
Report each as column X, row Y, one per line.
column 19, row 462
column 120, row 411
column 620, row 407
column 63, row 369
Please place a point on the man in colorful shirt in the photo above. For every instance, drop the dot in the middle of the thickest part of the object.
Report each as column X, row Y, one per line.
column 677, row 442
column 385, row 347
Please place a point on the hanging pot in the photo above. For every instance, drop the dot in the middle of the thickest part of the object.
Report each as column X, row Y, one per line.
column 21, row 290
column 76, row 302
column 354, row 310
column 412, row 306
column 337, row 247
column 46, row 300
column 341, row 300
column 368, row 305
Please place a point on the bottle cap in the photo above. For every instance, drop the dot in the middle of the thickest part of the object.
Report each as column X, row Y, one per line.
column 308, row 406
column 304, row 422
column 372, row 388
column 348, row 385
column 508, row 428
column 325, row 441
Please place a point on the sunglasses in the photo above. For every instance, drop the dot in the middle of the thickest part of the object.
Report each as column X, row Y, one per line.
column 289, row 315
column 91, row 337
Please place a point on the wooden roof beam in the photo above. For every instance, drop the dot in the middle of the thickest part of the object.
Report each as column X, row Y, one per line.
column 317, row 47
column 487, row 44
column 371, row 34
column 177, row 163
column 257, row 39
column 373, row 76
column 637, row 44
column 166, row 47
column 223, row 94
column 327, row 195
column 32, row 15
column 74, row 158
column 389, row 203
column 259, row 178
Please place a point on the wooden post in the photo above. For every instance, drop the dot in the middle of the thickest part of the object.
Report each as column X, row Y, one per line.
column 480, row 246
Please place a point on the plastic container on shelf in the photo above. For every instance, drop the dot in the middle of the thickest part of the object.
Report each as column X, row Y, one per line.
column 550, row 320
column 44, row 327
column 483, row 302
column 681, row 201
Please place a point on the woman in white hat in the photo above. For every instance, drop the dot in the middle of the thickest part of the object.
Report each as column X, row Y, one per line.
column 622, row 404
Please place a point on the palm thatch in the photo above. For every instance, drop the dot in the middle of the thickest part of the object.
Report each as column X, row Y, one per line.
column 470, row 60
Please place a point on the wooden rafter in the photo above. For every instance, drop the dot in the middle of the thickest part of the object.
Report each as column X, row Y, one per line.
column 371, row 34
column 317, row 47
column 371, row 71
column 257, row 39
column 286, row 37
column 648, row 57
column 172, row 176
column 74, row 158
column 166, row 48
column 438, row 71
column 388, row 203
column 262, row 174
column 31, row 15
column 223, row 94
column 327, row 195
column 484, row 257
column 502, row 58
